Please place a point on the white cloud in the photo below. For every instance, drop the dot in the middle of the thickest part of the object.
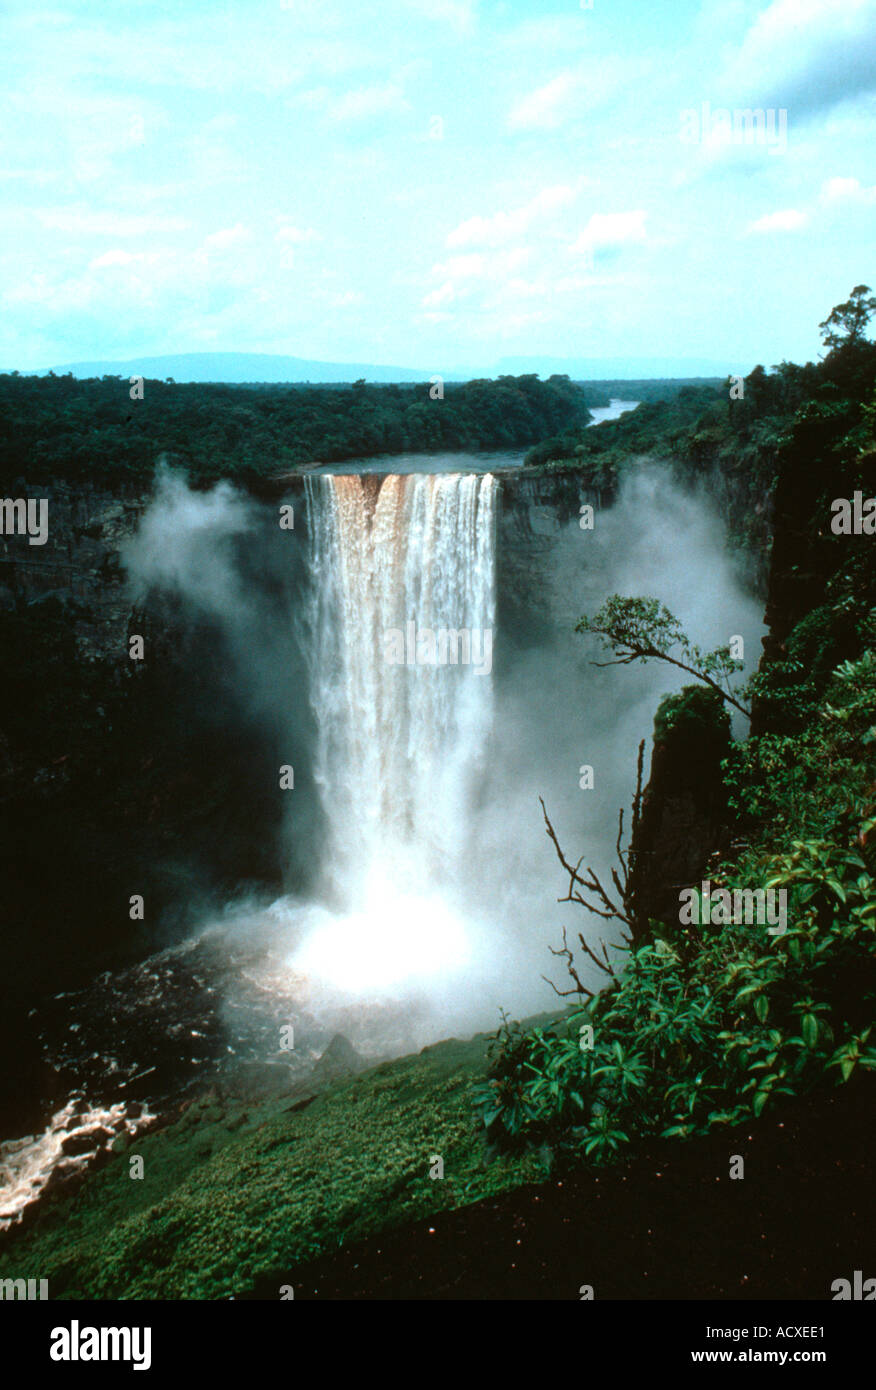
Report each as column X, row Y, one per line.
column 462, row 267
column 847, row 191
column 58, row 295
column 503, row 227
column 445, row 294
column 36, row 176
column 295, row 236
column 477, row 271
column 358, row 104
column 459, row 14
column 119, row 284
column 343, row 299
column 807, row 54
column 478, row 265
column 607, row 230
column 547, row 107
column 120, row 257
column 365, row 102
column 227, row 236
column 84, row 222
column 315, row 98
column 787, row 220
column 544, row 287
column 578, row 91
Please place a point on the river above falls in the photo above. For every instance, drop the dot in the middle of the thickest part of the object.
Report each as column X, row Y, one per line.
column 480, row 461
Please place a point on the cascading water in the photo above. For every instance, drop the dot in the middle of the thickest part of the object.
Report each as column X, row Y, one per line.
column 403, row 571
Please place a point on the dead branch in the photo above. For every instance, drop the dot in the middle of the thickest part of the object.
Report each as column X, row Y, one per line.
column 589, row 883
column 579, row 987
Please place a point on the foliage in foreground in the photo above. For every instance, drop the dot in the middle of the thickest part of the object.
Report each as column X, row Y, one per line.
column 710, row 1024
column 707, row 1025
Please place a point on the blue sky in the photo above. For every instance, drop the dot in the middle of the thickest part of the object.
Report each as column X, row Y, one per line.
column 432, row 182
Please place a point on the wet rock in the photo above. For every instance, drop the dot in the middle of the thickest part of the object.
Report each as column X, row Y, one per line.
column 684, row 814
column 339, row 1059
column 85, row 1142
column 64, row 1175
column 300, row 1104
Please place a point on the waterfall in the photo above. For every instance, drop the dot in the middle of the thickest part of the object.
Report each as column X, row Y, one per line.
column 398, row 562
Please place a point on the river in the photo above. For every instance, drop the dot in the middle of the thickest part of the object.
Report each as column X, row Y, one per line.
column 482, row 461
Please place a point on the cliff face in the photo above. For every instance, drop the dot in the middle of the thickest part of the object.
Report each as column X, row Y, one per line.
column 118, row 778
column 535, row 514
column 812, row 568
column 684, row 818
column 78, row 564
column 141, row 770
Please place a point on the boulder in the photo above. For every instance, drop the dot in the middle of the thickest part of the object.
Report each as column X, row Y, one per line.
column 85, row 1141
column 339, row 1059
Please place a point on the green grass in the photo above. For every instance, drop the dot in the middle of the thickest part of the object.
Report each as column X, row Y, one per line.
column 232, row 1194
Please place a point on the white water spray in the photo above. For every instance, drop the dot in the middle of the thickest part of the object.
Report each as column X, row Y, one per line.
column 400, row 746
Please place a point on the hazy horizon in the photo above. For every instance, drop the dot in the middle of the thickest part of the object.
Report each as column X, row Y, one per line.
column 278, row 368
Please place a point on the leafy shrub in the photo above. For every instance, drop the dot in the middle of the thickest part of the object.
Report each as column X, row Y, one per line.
column 806, row 783
column 697, row 711
column 707, row 1031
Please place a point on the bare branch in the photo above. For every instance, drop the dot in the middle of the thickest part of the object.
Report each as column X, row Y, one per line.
column 590, row 883
column 579, row 987
column 606, row 968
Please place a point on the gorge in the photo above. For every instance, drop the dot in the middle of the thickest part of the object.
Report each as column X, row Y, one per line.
column 409, row 845
column 342, row 857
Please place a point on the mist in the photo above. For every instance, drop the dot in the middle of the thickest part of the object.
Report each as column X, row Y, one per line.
column 224, row 564
column 223, row 556
column 451, row 918
column 557, row 711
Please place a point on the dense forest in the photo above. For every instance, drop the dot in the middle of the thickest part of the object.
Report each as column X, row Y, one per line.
column 61, row 429
column 736, row 431
column 92, row 431
column 697, row 426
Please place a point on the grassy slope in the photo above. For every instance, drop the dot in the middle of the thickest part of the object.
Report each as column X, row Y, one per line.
column 234, row 1194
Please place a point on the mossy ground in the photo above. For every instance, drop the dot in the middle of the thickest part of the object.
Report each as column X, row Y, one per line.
column 234, row 1194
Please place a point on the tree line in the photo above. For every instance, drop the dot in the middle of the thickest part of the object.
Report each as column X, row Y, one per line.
column 98, row 431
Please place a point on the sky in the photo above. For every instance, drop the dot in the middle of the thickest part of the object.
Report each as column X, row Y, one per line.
column 431, row 183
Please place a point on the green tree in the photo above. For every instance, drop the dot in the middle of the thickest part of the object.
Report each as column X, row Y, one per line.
column 639, row 629
column 846, row 324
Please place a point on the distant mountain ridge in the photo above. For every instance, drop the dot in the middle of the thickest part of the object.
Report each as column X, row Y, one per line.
column 241, row 367
column 249, row 367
